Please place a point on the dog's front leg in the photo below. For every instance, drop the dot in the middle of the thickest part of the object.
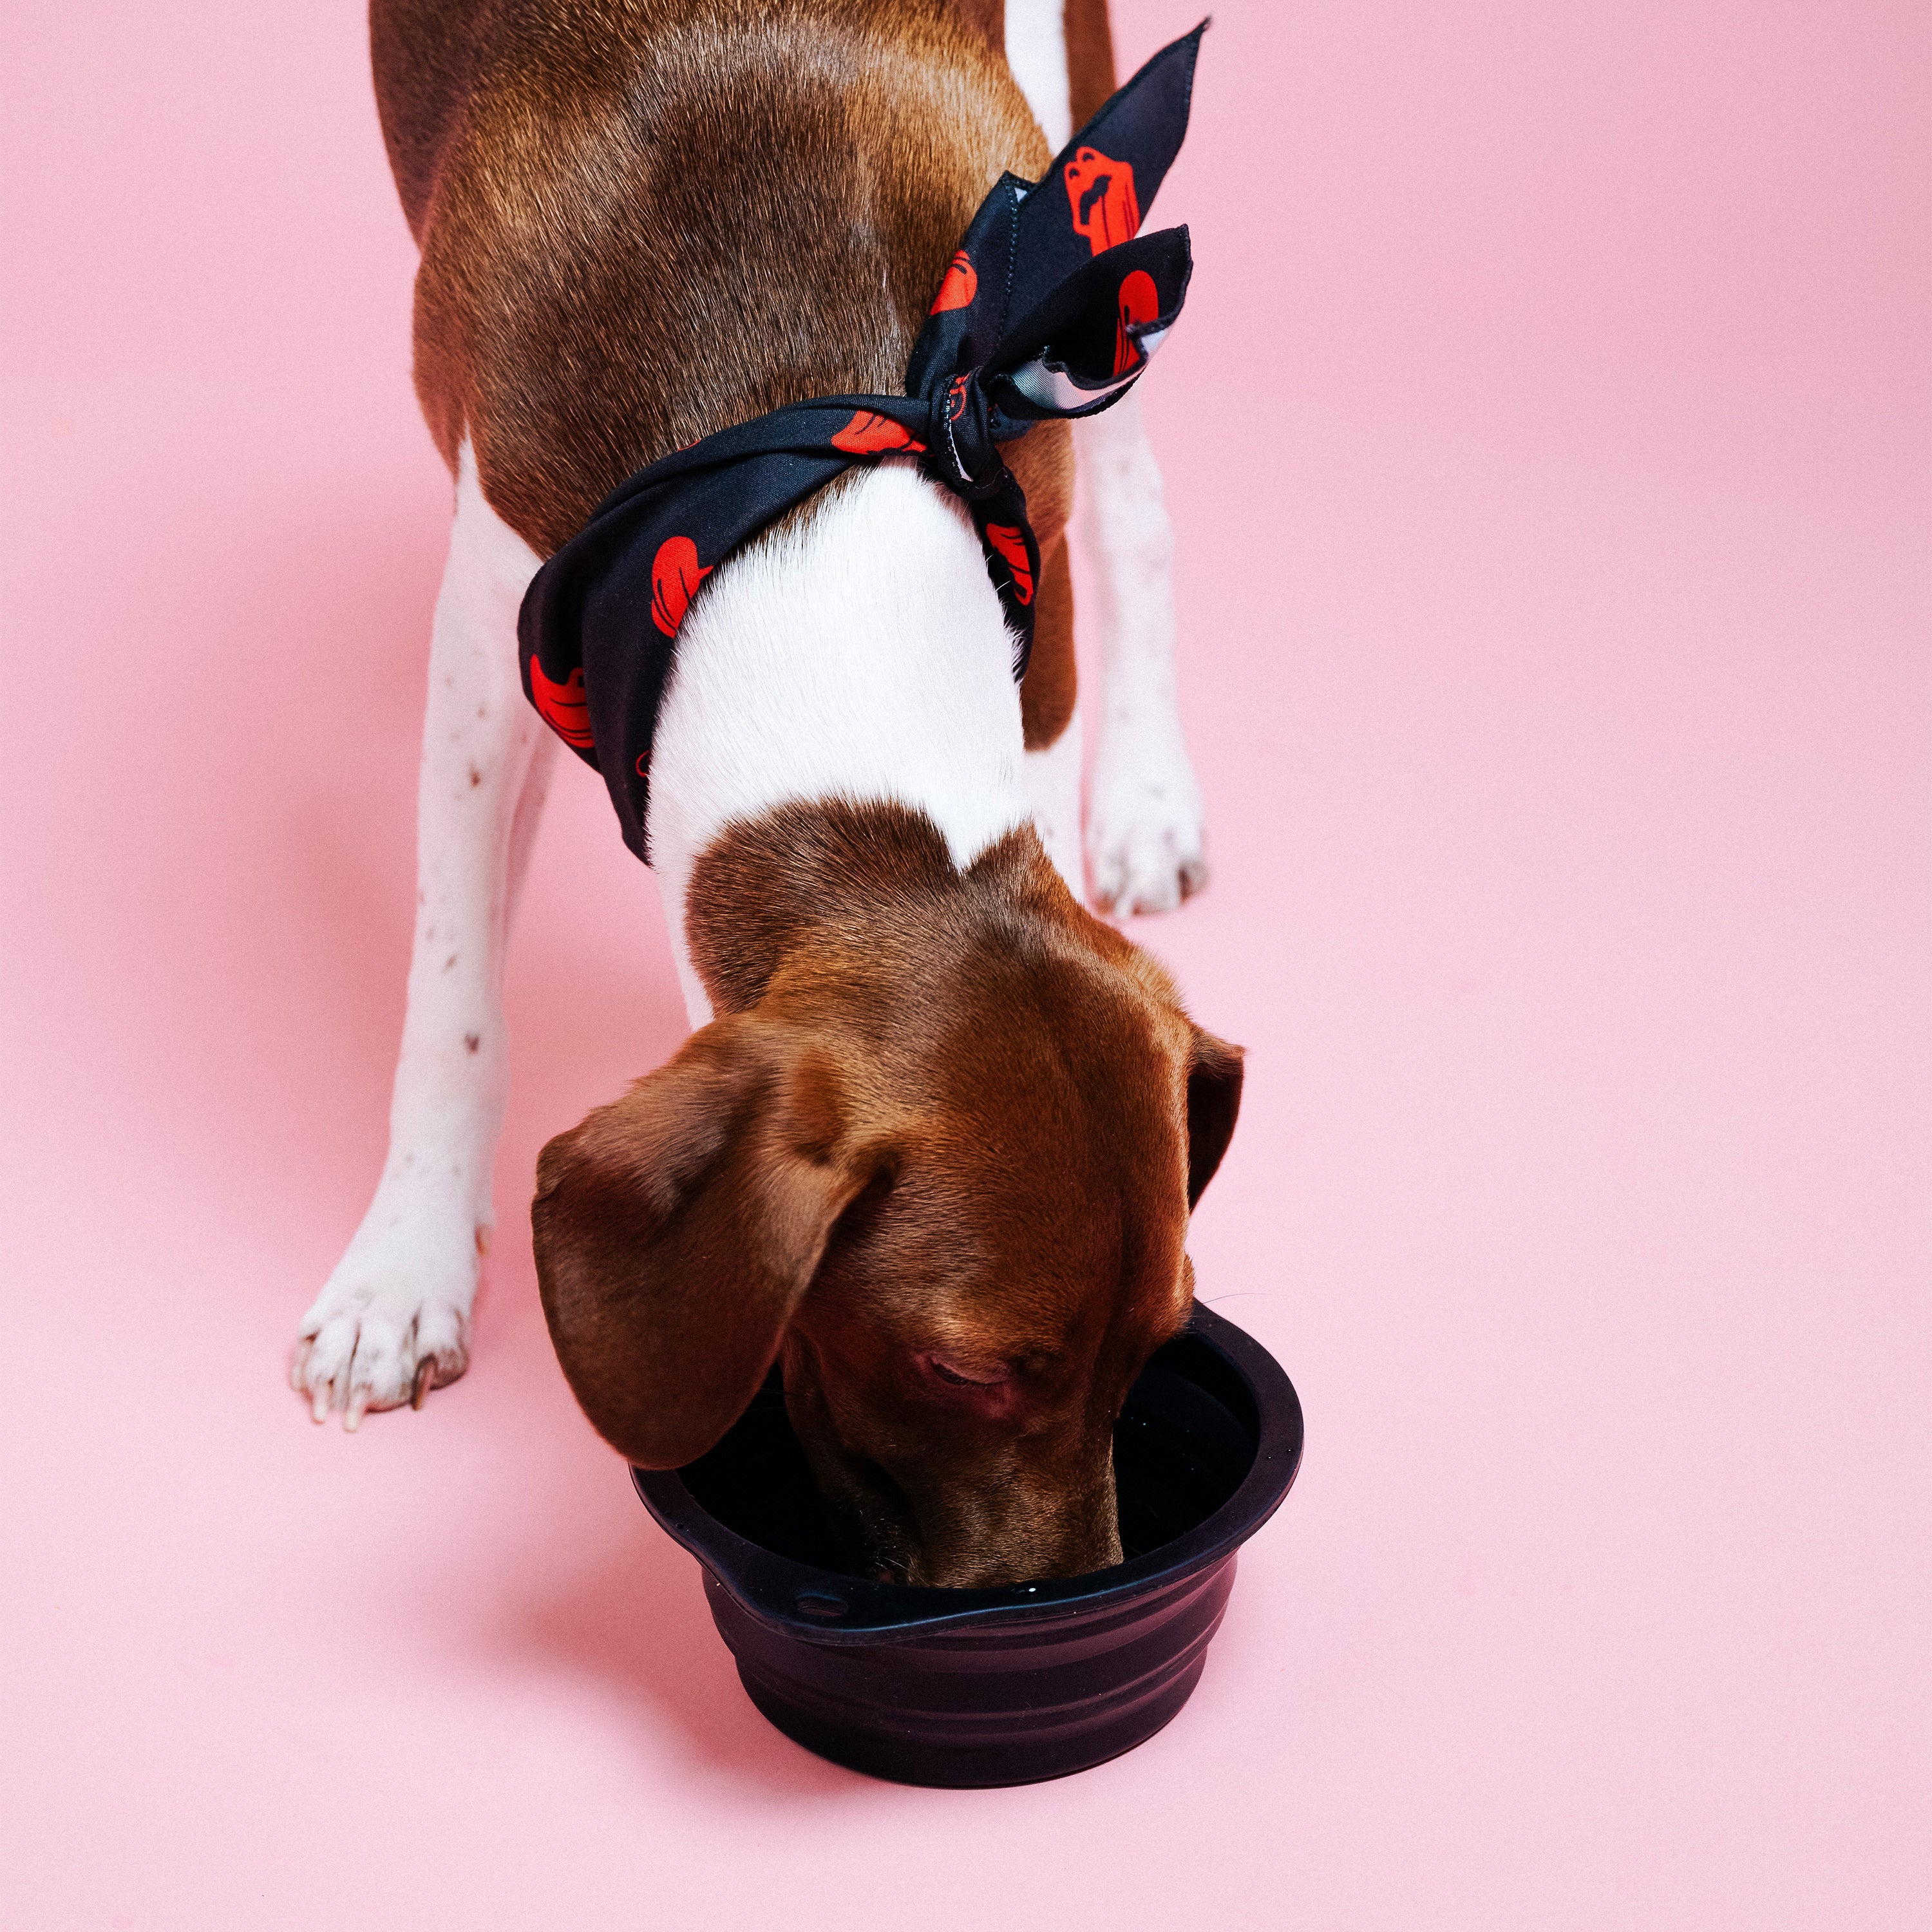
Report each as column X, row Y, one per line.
column 1143, row 828
column 393, row 1321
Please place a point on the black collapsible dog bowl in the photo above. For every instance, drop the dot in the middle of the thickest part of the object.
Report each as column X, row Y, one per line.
column 963, row 1688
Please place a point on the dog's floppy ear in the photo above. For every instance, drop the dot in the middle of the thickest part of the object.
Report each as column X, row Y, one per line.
column 677, row 1229
column 1213, row 1099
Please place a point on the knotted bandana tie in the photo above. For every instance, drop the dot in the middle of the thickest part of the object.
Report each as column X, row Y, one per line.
column 1050, row 308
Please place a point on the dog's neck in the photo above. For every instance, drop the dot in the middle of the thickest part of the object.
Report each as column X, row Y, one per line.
column 855, row 654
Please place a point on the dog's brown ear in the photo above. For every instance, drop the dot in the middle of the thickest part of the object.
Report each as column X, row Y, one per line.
column 1213, row 1099
column 677, row 1229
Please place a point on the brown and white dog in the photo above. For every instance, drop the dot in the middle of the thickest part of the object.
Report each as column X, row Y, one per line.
column 937, row 1133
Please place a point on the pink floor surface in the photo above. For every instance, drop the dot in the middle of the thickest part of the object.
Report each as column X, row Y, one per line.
column 1547, row 438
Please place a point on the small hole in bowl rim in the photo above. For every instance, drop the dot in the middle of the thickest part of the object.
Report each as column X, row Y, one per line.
column 820, row 1604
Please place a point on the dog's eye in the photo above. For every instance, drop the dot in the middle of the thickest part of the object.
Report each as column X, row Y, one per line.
column 978, row 1376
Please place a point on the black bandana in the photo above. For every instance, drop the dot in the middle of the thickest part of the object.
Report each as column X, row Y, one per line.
column 1052, row 308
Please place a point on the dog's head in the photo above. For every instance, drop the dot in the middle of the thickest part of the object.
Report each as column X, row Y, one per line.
column 944, row 1160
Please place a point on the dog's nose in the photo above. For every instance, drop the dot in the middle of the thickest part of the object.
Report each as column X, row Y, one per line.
column 1024, row 1539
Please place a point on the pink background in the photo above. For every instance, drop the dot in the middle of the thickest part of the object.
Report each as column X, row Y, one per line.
column 1548, row 439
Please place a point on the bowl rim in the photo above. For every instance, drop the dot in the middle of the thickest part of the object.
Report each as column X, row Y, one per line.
column 769, row 1586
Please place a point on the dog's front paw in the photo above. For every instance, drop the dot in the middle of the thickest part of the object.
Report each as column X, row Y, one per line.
column 393, row 1322
column 1144, row 830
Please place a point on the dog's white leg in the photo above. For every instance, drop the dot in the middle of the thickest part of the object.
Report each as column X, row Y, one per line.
column 393, row 1321
column 1144, row 830
column 1052, row 780
column 1036, row 34
column 1144, row 842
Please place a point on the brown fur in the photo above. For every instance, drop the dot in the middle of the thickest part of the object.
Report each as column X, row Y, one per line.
column 1049, row 691
column 643, row 220
column 987, row 19
column 1090, row 57
column 592, row 180
column 1042, row 460
column 942, row 1114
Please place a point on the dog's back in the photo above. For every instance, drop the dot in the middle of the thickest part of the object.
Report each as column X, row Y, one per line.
column 589, row 178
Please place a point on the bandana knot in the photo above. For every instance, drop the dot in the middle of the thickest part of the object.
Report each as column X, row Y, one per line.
column 1050, row 308
column 961, row 452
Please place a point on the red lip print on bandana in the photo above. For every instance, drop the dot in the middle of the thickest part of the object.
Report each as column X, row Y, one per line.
column 1140, row 302
column 675, row 575
column 868, row 434
column 1007, row 541
column 1049, row 309
column 960, row 285
column 1101, row 192
column 563, row 707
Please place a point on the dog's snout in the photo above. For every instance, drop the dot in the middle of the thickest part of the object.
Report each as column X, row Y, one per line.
column 1001, row 1534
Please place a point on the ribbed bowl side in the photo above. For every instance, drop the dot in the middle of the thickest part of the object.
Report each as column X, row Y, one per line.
column 1025, row 1699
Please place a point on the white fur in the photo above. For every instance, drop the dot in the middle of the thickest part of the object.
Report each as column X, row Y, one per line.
column 860, row 654
column 400, row 1299
column 1052, row 780
column 1036, row 53
column 1143, row 821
